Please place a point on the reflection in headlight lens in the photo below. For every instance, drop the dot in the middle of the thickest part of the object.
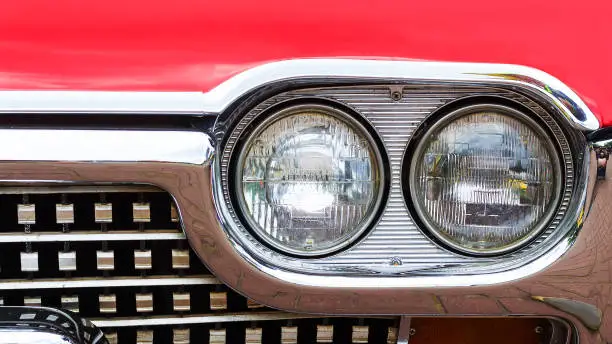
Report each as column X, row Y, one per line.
column 485, row 181
column 310, row 180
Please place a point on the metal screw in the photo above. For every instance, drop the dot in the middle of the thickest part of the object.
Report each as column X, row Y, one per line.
column 395, row 261
column 539, row 330
column 412, row 332
column 396, row 95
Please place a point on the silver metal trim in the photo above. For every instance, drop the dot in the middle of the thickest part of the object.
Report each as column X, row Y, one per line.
column 378, row 170
column 203, row 319
column 547, row 86
column 57, row 189
column 96, row 282
column 550, row 146
column 228, row 92
column 115, row 235
column 95, row 146
column 62, row 102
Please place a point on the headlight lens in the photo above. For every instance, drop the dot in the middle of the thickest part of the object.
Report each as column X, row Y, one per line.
column 309, row 180
column 485, row 179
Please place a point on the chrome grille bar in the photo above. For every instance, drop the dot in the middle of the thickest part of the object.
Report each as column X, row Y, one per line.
column 97, row 282
column 76, row 236
column 200, row 319
column 72, row 189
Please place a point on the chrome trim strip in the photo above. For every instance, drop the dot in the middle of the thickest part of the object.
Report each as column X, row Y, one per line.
column 97, row 282
column 116, row 235
column 201, row 319
column 566, row 100
column 57, row 189
column 101, row 102
column 185, row 147
column 222, row 96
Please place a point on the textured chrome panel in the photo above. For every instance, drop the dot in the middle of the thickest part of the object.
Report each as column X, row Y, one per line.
column 144, row 337
column 144, row 303
column 141, row 212
column 181, row 302
column 218, row 301
column 105, row 260
column 108, row 303
column 64, row 213
column 325, row 334
column 395, row 245
column 26, row 214
column 143, row 260
column 360, row 334
column 180, row 259
column 104, row 212
column 180, row 336
column 289, row 335
column 35, row 301
column 29, row 261
column 253, row 335
column 67, row 261
column 217, row 336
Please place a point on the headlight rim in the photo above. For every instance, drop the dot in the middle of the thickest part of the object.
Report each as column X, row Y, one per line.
column 444, row 116
column 288, row 108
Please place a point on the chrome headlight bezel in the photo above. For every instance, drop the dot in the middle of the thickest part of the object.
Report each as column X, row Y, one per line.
column 439, row 121
column 357, row 123
column 395, row 234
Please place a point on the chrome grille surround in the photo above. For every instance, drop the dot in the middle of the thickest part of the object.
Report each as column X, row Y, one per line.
column 395, row 245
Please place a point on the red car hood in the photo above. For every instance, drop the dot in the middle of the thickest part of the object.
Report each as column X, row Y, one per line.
column 193, row 45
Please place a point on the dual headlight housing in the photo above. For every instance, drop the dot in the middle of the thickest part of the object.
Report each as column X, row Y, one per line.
column 311, row 179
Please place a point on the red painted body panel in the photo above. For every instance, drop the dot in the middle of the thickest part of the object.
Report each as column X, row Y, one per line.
column 192, row 45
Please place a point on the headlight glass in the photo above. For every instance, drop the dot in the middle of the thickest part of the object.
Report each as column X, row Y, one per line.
column 485, row 180
column 309, row 180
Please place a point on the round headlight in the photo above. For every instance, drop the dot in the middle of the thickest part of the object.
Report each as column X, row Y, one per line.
column 309, row 180
column 485, row 179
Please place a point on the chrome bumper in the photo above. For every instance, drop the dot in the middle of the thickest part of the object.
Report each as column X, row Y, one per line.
column 25, row 325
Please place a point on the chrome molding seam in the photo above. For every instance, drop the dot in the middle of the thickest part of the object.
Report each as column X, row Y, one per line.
column 221, row 97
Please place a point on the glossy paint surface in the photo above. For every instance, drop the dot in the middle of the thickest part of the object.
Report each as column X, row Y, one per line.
column 191, row 45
